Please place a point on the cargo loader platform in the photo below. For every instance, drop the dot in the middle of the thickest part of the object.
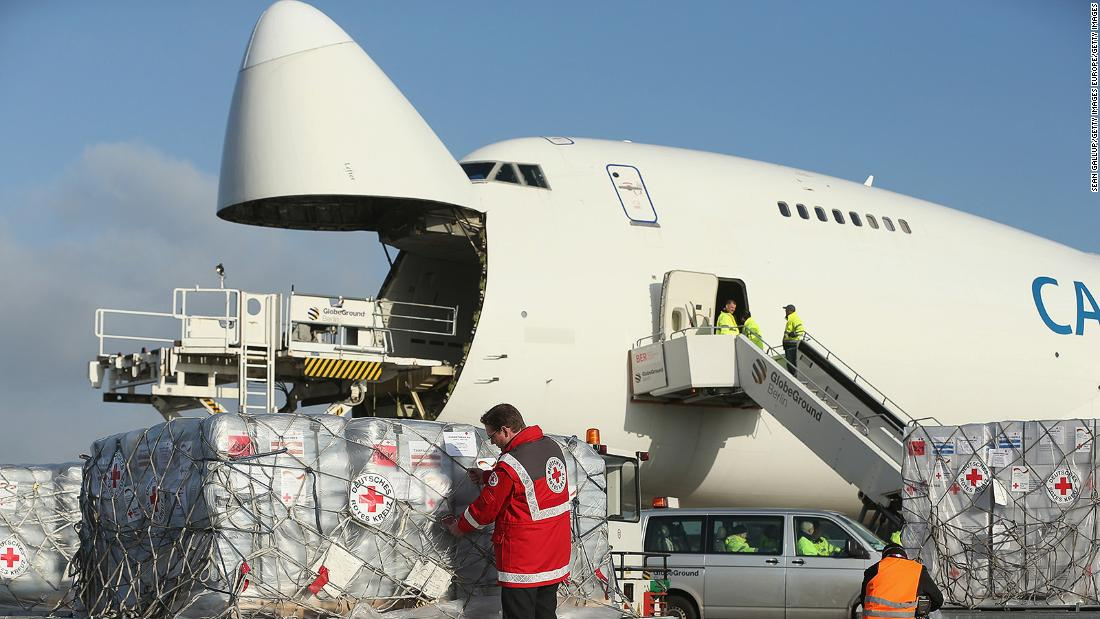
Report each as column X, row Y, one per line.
column 220, row 347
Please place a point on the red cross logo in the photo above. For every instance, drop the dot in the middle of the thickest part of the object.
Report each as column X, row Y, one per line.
column 556, row 475
column 153, row 496
column 116, row 474
column 9, row 557
column 954, row 488
column 1062, row 486
column 372, row 498
column 974, row 477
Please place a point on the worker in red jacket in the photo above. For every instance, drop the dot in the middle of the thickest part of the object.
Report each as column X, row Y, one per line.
column 527, row 496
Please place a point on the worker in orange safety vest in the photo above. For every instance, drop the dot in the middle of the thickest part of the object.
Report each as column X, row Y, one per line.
column 891, row 586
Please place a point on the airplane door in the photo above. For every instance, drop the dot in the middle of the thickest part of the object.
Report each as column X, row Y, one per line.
column 632, row 193
column 687, row 300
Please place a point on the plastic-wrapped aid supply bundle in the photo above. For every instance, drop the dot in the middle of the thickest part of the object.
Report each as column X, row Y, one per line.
column 280, row 515
column 1005, row 513
column 39, row 512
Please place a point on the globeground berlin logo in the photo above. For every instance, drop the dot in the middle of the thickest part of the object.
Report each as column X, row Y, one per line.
column 314, row 313
column 759, row 372
column 780, row 389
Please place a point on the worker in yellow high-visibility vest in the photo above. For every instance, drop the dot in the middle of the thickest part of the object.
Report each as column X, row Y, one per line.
column 727, row 323
column 792, row 337
column 752, row 330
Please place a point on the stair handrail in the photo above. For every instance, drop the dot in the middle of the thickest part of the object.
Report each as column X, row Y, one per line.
column 660, row 335
column 852, row 418
column 857, row 378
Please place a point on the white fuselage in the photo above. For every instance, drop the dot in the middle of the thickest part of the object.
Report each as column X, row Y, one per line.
column 942, row 320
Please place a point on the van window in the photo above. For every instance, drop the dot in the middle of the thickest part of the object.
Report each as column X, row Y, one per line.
column 820, row 537
column 756, row 535
column 677, row 534
column 862, row 531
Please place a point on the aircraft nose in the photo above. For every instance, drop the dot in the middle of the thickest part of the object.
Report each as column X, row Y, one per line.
column 290, row 27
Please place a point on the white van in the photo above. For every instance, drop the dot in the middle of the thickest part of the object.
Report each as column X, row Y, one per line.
column 769, row 575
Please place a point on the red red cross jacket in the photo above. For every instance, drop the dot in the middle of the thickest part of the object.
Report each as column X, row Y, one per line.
column 527, row 495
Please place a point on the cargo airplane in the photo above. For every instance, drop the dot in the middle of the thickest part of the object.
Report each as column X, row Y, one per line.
column 564, row 254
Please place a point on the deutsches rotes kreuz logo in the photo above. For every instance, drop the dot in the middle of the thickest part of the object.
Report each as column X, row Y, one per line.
column 556, row 475
column 13, row 558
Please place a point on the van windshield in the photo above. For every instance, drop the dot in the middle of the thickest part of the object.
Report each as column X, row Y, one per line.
column 871, row 539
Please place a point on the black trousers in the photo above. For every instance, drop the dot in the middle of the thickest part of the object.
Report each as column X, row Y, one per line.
column 529, row 602
column 790, row 350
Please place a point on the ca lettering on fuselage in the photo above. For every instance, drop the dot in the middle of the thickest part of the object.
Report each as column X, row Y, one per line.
column 1044, row 290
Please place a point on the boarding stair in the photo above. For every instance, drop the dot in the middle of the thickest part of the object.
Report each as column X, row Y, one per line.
column 845, row 420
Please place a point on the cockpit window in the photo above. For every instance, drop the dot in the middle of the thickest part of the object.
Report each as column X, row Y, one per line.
column 507, row 174
column 479, row 170
column 533, row 176
column 528, row 174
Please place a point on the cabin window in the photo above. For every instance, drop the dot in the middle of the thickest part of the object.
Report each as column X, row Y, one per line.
column 889, row 224
column 904, row 226
column 838, row 216
column 784, row 209
column 872, row 221
column 507, row 174
column 533, row 176
column 821, row 213
column 854, row 216
column 802, row 212
column 478, row 170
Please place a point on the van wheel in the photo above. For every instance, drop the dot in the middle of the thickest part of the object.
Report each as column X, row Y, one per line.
column 681, row 607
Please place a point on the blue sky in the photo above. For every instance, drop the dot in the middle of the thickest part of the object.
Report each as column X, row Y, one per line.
column 113, row 116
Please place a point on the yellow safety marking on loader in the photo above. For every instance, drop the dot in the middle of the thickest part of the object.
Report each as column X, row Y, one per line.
column 345, row 369
column 211, row 405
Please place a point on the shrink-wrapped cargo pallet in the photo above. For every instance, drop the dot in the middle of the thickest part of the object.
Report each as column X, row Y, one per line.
column 1005, row 513
column 280, row 515
column 39, row 512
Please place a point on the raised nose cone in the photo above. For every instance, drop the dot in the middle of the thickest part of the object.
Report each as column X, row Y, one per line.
column 289, row 27
column 319, row 138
